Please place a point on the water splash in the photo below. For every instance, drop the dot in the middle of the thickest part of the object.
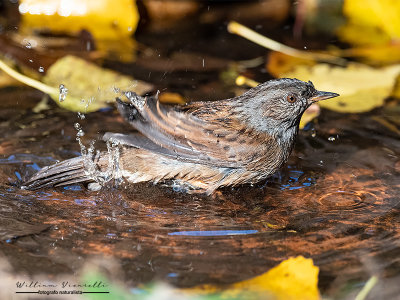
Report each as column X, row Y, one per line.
column 93, row 158
column 110, row 173
column 63, row 93
column 80, row 133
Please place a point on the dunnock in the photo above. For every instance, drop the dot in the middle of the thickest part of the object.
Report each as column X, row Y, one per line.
column 201, row 145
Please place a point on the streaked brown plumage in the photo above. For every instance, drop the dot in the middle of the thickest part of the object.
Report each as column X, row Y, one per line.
column 202, row 145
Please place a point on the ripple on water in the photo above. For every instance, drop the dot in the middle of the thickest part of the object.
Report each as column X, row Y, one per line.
column 342, row 200
column 347, row 200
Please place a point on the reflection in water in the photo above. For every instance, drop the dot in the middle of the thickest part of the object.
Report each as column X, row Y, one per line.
column 336, row 202
column 213, row 232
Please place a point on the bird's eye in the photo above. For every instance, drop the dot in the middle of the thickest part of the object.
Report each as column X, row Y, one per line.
column 291, row 98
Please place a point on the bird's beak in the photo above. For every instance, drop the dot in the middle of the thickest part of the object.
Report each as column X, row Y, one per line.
column 322, row 96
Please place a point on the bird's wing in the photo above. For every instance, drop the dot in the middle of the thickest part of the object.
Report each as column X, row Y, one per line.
column 189, row 134
column 137, row 140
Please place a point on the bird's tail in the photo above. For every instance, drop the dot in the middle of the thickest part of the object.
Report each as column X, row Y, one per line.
column 67, row 172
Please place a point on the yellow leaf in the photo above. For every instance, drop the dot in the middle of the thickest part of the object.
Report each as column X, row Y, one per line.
column 89, row 86
column 111, row 22
column 374, row 55
column 105, row 19
column 371, row 21
column 361, row 87
column 295, row 278
column 280, row 63
column 310, row 114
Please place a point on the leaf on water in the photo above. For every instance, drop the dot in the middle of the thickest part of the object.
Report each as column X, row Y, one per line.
column 294, row 278
column 89, row 86
column 373, row 27
column 361, row 88
column 374, row 55
column 104, row 19
column 371, row 22
column 310, row 114
column 111, row 22
column 280, row 63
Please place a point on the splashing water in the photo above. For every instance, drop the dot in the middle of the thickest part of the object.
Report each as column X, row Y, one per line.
column 91, row 158
column 80, row 133
column 63, row 93
column 111, row 173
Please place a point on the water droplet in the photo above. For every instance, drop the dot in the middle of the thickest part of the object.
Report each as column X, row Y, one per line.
column 81, row 116
column 41, row 69
column 313, row 132
column 305, row 47
column 331, row 138
column 80, row 133
column 63, row 93
column 28, row 45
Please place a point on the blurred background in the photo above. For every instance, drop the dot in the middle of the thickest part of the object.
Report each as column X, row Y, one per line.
column 63, row 62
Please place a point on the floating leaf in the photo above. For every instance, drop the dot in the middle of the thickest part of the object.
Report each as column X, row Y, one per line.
column 310, row 114
column 81, row 86
column 361, row 87
column 374, row 55
column 279, row 63
column 373, row 27
column 89, row 86
column 104, row 19
column 371, row 22
column 295, row 278
column 111, row 22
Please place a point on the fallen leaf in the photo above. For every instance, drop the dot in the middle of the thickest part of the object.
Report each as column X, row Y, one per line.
column 294, row 278
column 89, row 86
column 371, row 22
column 104, row 19
column 111, row 22
column 310, row 114
column 279, row 63
column 78, row 85
column 361, row 88
column 375, row 55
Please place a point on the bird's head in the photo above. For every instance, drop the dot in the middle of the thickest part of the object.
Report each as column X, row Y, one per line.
column 277, row 105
